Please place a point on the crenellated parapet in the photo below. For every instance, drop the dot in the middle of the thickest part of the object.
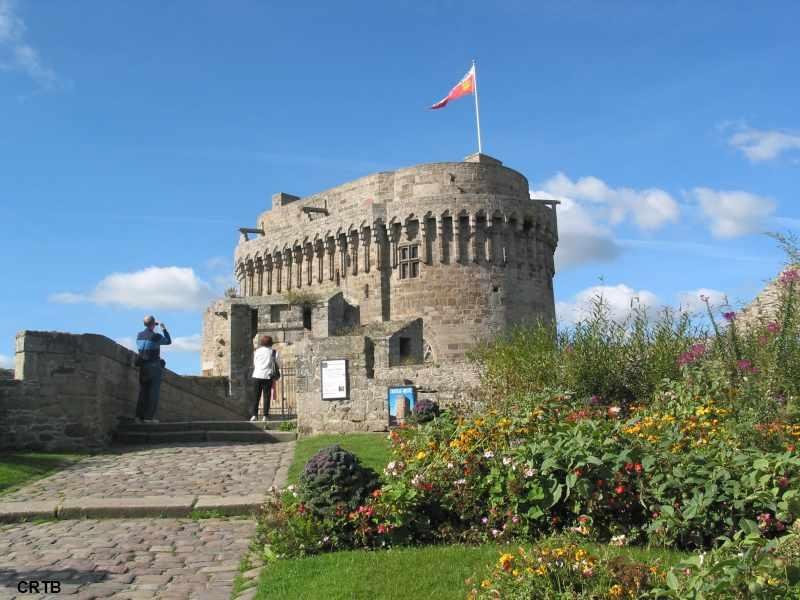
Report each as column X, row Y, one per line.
column 422, row 219
column 460, row 245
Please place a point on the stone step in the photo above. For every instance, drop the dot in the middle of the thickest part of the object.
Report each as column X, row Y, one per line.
column 175, row 426
column 130, row 507
column 255, row 435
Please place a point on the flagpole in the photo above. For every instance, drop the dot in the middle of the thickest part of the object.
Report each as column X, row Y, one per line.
column 477, row 109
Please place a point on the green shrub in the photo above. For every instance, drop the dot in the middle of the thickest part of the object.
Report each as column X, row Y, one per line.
column 746, row 567
column 618, row 362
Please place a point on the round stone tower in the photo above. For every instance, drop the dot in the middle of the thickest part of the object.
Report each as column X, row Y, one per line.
column 460, row 245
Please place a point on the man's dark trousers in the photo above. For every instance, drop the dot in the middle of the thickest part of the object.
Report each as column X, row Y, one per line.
column 149, row 390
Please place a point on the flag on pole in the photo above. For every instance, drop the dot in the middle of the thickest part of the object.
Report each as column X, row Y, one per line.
column 463, row 88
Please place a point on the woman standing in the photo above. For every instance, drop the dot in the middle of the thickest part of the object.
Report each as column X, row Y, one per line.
column 265, row 372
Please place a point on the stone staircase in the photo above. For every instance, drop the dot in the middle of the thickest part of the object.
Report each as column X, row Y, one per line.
column 263, row 432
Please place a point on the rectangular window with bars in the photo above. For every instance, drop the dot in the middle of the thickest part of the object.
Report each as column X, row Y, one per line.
column 409, row 261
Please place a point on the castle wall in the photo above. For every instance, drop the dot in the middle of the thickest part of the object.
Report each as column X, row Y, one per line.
column 373, row 368
column 484, row 250
column 71, row 390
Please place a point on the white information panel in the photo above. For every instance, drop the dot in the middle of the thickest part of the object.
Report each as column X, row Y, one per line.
column 334, row 379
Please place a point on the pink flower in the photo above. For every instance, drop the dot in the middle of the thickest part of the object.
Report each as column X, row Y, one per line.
column 698, row 349
column 729, row 316
column 790, row 276
column 485, row 520
column 746, row 366
column 773, row 327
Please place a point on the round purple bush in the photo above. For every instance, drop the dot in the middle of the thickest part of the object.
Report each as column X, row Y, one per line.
column 424, row 411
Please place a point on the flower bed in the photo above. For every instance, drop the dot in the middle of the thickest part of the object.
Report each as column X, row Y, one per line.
column 704, row 461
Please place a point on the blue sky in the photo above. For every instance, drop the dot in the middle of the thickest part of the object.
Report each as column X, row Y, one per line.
column 135, row 138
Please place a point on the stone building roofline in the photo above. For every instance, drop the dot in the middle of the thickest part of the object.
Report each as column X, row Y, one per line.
column 280, row 199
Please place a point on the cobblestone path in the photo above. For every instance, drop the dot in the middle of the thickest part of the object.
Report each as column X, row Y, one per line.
column 125, row 558
column 145, row 558
column 216, row 469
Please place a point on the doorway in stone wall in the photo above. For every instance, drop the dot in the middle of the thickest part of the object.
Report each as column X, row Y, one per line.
column 284, row 395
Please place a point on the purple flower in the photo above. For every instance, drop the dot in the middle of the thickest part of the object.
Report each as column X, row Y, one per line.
column 746, row 366
column 790, row 276
column 729, row 316
column 595, row 400
column 485, row 520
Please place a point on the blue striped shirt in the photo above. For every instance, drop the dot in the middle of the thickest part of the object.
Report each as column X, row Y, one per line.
column 149, row 345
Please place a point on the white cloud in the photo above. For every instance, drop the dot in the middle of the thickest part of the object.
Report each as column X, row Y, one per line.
column 581, row 238
column 760, row 145
column 619, row 300
column 734, row 213
column 650, row 208
column 189, row 343
column 691, row 301
column 6, row 362
column 218, row 262
column 154, row 288
column 16, row 54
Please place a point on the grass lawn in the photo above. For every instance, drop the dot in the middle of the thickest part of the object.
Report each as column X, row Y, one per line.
column 423, row 572
column 19, row 468
column 372, row 450
column 427, row 572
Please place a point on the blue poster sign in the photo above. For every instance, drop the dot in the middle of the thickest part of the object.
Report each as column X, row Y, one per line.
column 397, row 393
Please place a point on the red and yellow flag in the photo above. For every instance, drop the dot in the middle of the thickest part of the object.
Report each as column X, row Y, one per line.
column 463, row 88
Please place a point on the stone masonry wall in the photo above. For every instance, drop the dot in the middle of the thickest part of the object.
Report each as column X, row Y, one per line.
column 485, row 250
column 367, row 407
column 71, row 390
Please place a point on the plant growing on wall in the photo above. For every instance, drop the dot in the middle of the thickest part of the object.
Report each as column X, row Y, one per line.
column 304, row 299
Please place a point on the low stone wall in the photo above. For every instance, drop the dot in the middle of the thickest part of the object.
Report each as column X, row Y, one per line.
column 71, row 390
column 367, row 408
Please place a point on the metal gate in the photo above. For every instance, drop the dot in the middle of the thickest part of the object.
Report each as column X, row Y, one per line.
column 284, row 395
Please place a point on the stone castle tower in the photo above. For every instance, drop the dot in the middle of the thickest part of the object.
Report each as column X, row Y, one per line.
column 458, row 248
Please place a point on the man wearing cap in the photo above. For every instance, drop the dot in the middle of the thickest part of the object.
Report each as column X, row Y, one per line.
column 149, row 343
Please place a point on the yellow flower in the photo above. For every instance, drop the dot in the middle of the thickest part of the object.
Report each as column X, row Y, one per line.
column 515, row 573
column 506, row 560
column 580, row 555
column 486, row 584
column 421, row 455
column 616, row 591
column 542, row 570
